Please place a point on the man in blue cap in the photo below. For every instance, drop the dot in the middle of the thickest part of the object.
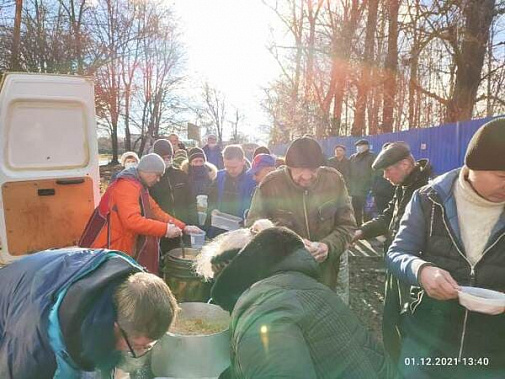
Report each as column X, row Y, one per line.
column 261, row 166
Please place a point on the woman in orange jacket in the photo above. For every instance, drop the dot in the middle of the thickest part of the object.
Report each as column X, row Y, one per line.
column 129, row 220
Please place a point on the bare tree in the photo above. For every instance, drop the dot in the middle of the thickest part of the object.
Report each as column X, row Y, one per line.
column 76, row 13
column 391, row 67
column 364, row 83
column 479, row 16
column 15, row 65
column 238, row 117
column 215, row 108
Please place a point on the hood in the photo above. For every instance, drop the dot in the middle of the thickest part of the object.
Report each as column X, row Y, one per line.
column 421, row 172
column 212, row 170
column 184, row 166
column 210, row 167
column 129, row 173
column 442, row 185
column 272, row 251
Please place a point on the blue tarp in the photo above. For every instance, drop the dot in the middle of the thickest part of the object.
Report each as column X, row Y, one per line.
column 444, row 146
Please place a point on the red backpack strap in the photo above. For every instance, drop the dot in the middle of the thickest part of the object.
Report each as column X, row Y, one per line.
column 99, row 218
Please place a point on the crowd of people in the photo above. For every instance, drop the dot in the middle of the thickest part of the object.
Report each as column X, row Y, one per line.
column 278, row 274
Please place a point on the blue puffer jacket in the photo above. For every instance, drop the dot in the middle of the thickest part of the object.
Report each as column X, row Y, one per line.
column 246, row 188
column 44, row 334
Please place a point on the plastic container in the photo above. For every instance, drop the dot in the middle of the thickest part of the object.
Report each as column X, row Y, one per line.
column 179, row 274
column 201, row 203
column 194, row 356
column 482, row 300
column 197, row 240
column 202, row 216
column 225, row 221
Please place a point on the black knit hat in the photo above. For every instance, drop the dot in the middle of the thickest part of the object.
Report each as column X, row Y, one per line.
column 305, row 152
column 196, row 152
column 486, row 146
column 391, row 153
column 163, row 147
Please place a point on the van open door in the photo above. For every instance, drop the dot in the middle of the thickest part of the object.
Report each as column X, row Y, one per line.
column 49, row 180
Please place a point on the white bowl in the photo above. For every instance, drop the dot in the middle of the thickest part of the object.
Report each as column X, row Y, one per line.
column 482, row 300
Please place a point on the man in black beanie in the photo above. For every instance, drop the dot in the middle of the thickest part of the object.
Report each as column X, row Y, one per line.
column 452, row 237
column 311, row 200
column 173, row 192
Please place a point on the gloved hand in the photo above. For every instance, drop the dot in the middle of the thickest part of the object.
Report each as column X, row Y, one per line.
column 172, row 231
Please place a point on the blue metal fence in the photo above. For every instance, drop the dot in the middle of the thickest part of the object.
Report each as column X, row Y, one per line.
column 444, row 146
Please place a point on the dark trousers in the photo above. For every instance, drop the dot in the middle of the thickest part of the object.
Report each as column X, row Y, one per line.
column 358, row 203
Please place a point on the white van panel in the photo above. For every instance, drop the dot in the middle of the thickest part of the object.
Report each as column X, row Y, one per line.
column 36, row 127
column 47, row 131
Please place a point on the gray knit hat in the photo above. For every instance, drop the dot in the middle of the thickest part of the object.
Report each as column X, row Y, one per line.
column 151, row 163
column 486, row 146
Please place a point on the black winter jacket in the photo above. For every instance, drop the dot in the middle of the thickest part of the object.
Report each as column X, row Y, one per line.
column 388, row 222
column 360, row 173
column 173, row 194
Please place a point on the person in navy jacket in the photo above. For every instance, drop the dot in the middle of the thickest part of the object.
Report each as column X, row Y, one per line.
column 64, row 312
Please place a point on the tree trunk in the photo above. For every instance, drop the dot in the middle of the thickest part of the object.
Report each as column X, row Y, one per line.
column 359, row 127
column 16, row 38
column 340, row 66
column 127, row 140
column 479, row 16
column 391, row 67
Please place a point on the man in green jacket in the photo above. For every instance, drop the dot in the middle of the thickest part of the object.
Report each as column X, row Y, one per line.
column 311, row 200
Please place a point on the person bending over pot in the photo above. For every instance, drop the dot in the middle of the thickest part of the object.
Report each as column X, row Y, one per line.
column 285, row 322
column 66, row 312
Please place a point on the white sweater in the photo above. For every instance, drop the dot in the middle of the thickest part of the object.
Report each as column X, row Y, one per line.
column 476, row 217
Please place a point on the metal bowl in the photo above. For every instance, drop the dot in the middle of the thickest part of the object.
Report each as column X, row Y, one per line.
column 194, row 356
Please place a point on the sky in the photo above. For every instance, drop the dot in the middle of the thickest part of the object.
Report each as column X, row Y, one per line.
column 226, row 45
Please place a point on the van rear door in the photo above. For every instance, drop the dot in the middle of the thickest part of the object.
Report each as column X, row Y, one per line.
column 49, row 176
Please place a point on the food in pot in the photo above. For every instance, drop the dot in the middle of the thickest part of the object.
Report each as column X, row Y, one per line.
column 198, row 326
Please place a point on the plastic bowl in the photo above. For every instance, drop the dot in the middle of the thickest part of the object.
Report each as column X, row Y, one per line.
column 197, row 240
column 482, row 300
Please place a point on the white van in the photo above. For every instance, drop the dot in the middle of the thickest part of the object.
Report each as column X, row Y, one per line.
column 49, row 176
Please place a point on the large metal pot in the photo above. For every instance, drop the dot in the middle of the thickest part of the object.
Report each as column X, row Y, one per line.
column 194, row 356
column 181, row 277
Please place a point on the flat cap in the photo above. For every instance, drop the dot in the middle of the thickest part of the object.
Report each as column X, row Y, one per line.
column 362, row 142
column 391, row 154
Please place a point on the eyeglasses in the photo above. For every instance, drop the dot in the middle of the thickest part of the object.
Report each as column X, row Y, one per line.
column 145, row 349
